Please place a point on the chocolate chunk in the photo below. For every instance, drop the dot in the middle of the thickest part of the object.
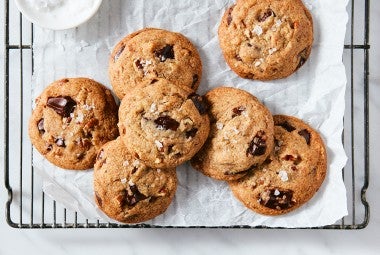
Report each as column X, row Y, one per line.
column 277, row 199
column 229, row 15
column 138, row 64
column 60, row 142
column 297, row 160
column 266, row 15
column 165, row 123
column 153, row 81
column 134, row 197
column 64, row 80
column 40, row 126
column 195, row 80
column 165, row 53
column 237, row 111
column 303, row 57
column 289, row 158
column 100, row 155
column 191, row 133
column 258, row 145
column 277, row 145
column 80, row 156
column 62, row 105
column 305, row 134
column 238, row 58
column 287, row 126
column 199, row 102
column 268, row 161
column 118, row 53
column 49, row 147
column 98, row 199
column 302, row 62
column 170, row 148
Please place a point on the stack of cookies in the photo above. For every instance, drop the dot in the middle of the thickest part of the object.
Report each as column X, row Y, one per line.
column 273, row 164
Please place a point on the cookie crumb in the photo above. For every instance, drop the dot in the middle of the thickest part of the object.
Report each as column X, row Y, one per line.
column 219, row 125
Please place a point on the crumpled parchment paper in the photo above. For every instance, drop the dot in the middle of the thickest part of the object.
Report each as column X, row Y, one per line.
column 315, row 94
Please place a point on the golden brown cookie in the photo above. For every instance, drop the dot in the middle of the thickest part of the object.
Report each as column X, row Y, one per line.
column 290, row 176
column 241, row 134
column 163, row 124
column 154, row 53
column 266, row 39
column 72, row 119
column 126, row 189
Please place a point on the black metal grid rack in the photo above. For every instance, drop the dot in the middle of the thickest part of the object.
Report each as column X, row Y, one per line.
column 27, row 205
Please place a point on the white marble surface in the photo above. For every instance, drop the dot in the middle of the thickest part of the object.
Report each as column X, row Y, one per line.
column 195, row 241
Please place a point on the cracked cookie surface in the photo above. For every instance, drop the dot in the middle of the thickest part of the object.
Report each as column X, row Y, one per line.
column 266, row 39
column 126, row 189
column 241, row 134
column 165, row 125
column 72, row 119
column 290, row 176
column 154, row 53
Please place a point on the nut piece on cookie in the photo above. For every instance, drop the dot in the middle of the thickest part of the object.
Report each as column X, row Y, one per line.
column 241, row 134
column 126, row 189
column 164, row 124
column 290, row 176
column 266, row 39
column 154, row 53
column 72, row 119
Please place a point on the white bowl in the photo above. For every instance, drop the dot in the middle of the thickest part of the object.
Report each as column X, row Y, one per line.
column 68, row 14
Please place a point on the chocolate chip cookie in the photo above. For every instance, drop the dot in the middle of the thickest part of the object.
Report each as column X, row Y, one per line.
column 154, row 53
column 290, row 176
column 72, row 119
column 163, row 124
column 241, row 134
column 126, row 189
column 266, row 39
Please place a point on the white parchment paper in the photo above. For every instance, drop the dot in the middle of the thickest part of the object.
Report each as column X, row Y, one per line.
column 315, row 94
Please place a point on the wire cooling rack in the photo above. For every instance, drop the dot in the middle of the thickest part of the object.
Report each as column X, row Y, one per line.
column 27, row 205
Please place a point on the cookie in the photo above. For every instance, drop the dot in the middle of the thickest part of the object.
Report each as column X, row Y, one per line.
column 241, row 134
column 72, row 119
column 163, row 124
column 126, row 189
column 154, row 53
column 290, row 176
column 266, row 39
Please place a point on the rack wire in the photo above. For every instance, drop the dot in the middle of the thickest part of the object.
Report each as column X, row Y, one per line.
column 28, row 206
